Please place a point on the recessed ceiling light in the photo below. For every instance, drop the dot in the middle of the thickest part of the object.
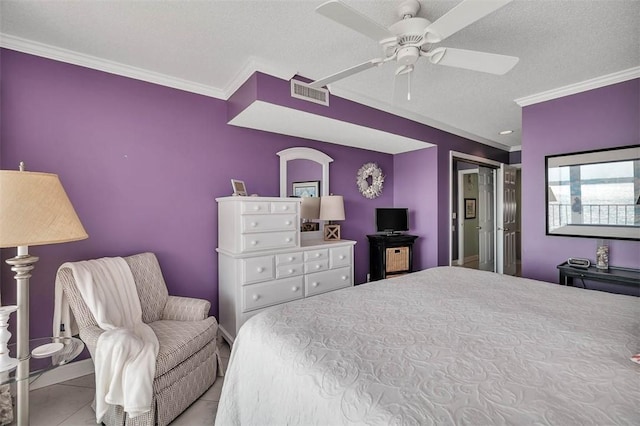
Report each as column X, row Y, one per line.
column 506, row 132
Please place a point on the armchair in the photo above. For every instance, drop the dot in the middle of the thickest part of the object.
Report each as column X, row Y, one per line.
column 188, row 358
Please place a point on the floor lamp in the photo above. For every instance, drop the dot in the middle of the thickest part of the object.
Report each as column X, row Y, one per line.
column 34, row 210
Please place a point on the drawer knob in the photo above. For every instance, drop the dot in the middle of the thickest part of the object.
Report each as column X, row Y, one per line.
column 342, row 256
column 288, row 222
column 260, row 269
column 256, row 207
column 294, row 288
column 254, row 242
column 285, row 207
column 314, row 284
column 253, row 224
column 291, row 271
column 290, row 259
column 256, row 296
column 288, row 240
column 317, row 254
column 344, row 277
column 317, row 266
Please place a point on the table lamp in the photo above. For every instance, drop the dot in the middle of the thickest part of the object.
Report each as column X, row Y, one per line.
column 34, row 210
column 331, row 208
column 310, row 210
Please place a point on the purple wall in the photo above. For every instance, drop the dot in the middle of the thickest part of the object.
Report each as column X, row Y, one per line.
column 143, row 165
column 597, row 119
column 269, row 89
column 416, row 184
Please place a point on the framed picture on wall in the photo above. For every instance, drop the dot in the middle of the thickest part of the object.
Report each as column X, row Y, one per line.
column 309, row 188
column 469, row 208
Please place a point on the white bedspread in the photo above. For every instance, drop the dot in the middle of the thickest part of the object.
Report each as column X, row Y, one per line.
column 125, row 358
column 442, row 346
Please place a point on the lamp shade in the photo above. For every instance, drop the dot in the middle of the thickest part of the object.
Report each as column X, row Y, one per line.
column 35, row 210
column 310, row 208
column 332, row 207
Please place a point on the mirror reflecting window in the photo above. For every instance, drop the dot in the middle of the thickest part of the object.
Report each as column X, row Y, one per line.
column 594, row 194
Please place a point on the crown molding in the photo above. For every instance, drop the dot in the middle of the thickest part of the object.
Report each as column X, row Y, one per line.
column 583, row 86
column 515, row 148
column 68, row 56
column 400, row 112
column 252, row 66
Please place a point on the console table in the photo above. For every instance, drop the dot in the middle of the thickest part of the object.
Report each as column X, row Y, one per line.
column 617, row 275
column 390, row 255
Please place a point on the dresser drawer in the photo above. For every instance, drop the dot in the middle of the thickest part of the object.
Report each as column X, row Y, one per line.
column 339, row 256
column 283, row 271
column 248, row 207
column 265, row 294
column 268, row 240
column 265, row 223
column 320, row 254
column 316, row 266
column 257, row 269
column 289, row 258
column 285, row 207
column 332, row 279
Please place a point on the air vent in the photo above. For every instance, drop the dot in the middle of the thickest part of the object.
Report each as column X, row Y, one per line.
column 301, row 90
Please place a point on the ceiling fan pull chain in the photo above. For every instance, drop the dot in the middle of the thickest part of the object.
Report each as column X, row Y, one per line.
column 409, row 86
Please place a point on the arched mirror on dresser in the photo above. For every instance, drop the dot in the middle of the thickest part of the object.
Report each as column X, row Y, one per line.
column 300, row 167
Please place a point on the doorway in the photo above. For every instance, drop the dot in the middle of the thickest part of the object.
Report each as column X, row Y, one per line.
column 485, row 214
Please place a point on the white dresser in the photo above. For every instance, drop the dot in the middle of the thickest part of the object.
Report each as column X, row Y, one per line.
column 261, row 262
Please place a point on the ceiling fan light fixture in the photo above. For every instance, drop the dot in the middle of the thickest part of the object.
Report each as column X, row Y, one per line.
column 408, row 55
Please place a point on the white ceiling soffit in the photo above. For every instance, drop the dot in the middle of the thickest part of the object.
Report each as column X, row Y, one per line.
column 288, row 121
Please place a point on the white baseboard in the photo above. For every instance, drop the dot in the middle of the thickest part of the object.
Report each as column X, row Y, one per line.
column 63, row 373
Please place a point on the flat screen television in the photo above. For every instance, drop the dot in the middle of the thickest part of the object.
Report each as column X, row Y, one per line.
column 392, row 220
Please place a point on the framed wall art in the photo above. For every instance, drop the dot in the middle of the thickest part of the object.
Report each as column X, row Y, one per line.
column 469, row 208
column 309, row 188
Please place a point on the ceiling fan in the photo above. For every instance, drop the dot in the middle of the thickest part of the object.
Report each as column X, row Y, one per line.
column 413, row 37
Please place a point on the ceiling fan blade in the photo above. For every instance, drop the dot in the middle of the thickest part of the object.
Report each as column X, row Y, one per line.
column 464, row 14
column 472, row 60
column 349, row 17
column 345, row 73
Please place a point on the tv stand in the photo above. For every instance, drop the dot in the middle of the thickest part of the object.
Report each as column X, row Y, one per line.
column 390, row 255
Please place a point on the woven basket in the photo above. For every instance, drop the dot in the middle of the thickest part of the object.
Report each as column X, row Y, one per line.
column 397, row 259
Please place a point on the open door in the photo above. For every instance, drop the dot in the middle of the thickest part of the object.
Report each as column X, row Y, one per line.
column 507, row 220
column 486, row 219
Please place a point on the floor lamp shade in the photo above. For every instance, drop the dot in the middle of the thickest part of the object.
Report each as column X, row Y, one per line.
column 35, row 210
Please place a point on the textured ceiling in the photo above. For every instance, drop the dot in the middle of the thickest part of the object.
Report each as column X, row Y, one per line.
column 209, row 42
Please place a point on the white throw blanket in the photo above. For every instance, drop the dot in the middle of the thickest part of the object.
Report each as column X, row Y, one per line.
column 125, row 356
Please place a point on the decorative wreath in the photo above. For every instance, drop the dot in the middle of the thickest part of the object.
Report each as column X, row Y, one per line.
column 373, row 190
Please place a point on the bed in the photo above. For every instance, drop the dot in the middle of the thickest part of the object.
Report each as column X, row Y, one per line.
column 446, row 345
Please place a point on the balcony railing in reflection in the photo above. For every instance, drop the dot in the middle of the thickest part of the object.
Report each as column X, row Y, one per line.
column 594, row 214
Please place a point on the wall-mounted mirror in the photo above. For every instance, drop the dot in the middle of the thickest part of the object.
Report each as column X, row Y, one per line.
column 594, row 194
column 304, row 172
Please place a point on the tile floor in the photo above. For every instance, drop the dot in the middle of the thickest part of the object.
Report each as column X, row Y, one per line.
column 69, row 403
